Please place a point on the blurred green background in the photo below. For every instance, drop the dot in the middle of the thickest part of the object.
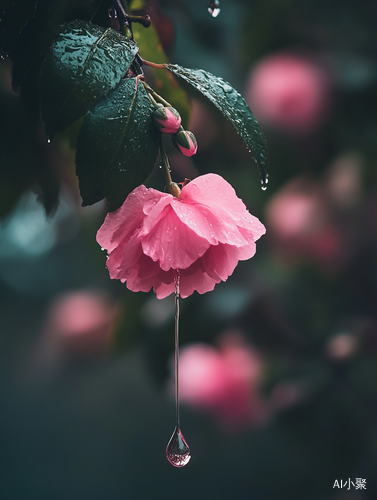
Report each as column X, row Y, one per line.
column 86, row 407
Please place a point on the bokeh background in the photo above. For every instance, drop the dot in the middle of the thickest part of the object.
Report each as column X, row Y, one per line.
column 278, row 364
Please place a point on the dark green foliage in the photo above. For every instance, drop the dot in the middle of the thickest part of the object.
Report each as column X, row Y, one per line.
column 83, row 64
column 233, row 106
column 24, row 161
column 117, row 146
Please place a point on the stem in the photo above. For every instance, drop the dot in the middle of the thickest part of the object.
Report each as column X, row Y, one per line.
column 165, row 163
column 121, row 13
column 152, row 99
column 154, row 65
column 158, row 97
column 124, row 26
column 144, row 20
column 176, row 350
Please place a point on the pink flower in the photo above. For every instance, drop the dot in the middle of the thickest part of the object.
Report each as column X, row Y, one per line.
column 167, row 120
column 202, row 234
column 290, row 92
column 185, row 142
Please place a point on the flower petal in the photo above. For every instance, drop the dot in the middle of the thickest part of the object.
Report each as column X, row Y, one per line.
column 199, row 281
column 172, row 243
column 220, row 261
column 204, row 223
column 120, row 224
column 214, row 192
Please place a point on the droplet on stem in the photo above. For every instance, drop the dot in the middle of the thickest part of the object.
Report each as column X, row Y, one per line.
column 112, row 13
column 213, row 7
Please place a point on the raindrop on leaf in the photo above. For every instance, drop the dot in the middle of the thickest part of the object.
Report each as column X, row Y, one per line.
column 213, row 7
column 112, row 13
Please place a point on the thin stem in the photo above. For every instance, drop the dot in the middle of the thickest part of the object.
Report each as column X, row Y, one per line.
column 121, row 13
column 152, row 99
column 144, row 20
column 157, row 96
column 176, row 345
column 154, row 65
column 165, row 163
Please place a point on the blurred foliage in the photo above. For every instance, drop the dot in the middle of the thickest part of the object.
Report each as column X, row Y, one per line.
column 98, row 427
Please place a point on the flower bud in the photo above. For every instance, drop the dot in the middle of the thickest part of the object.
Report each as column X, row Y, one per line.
column 185, row 142
column 167, row 119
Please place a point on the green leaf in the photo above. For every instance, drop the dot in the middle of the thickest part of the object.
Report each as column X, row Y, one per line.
column 233, row 106
column 117, row 146
column 84, row 63
column 165, row 84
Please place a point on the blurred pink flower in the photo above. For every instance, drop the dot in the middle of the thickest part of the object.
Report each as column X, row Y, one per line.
column 202, row 234
column 80, row 323
column 300, row 222
column 223, row 382
column 289, row 91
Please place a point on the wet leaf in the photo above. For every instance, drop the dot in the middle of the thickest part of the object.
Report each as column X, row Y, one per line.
column 233, row 106
column 84, row 63
column 117, row 146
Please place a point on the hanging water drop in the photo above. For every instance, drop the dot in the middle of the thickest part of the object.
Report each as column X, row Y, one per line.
column 48, row 140
column 177, row 451
column 213, row 7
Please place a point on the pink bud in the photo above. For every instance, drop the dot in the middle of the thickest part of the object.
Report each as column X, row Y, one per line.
column 167, row 120
column 185, row 142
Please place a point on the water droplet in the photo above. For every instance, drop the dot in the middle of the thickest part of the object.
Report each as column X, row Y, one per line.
column 112, row 13
column 177, row 450
column 48, row 140
column 213, row 7
column 264, row 187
